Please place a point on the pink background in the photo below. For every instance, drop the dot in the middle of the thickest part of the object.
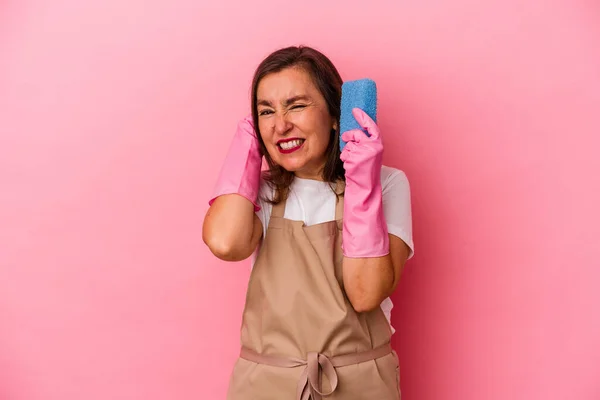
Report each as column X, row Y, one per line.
column 115, row 116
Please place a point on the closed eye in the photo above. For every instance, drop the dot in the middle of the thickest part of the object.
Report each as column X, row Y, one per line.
column 265, row 112
column 298, row 106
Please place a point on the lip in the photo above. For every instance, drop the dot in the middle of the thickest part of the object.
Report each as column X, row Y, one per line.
column 293, row 149
column 289, row 140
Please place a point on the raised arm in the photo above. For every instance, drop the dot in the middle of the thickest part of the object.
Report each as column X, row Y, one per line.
column 373, row 259
column 231, row 228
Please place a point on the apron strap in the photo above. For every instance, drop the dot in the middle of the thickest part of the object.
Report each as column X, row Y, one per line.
column 279, row 209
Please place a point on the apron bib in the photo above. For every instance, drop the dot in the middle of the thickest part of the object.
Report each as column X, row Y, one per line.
column 301, row 338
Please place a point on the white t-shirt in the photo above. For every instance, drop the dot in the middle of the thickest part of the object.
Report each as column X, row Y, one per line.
column 313, row 202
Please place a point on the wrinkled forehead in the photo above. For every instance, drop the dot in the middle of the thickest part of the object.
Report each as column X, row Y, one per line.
column 290, row 83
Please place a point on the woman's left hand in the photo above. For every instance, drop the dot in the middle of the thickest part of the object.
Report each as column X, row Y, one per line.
column 365, row 231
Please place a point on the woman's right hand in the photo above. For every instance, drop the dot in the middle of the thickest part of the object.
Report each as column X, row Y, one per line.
column 231, row 228
column 240, row 172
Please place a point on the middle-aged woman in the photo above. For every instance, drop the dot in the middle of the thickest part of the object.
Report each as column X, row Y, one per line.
column 329, row 233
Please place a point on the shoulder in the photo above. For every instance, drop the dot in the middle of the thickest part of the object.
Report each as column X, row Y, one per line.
column 397, row 204
column 393, row 178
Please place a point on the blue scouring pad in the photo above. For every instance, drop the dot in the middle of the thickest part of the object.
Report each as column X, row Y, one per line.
column 361, row 93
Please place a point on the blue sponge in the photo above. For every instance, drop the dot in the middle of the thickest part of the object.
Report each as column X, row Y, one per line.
column 361, row 93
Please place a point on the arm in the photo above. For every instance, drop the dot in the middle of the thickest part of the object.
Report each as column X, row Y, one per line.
column 373, row 258
column 368, row 281
column 231, row 229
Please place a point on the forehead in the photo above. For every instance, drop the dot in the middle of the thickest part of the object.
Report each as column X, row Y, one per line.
column 285, row 84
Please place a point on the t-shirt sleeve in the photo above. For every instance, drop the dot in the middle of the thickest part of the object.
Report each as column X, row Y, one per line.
column 397, row 206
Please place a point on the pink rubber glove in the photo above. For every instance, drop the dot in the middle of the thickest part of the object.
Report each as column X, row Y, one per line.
column 365, row 231
column 240, row 172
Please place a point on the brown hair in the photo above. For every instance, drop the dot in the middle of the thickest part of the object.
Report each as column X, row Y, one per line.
column 329, row 82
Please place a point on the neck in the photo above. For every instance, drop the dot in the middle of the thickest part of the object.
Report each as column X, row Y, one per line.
column 316, row 175
column 312, row 171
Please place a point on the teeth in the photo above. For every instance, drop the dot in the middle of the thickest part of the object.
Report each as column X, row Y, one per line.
column 291, row 144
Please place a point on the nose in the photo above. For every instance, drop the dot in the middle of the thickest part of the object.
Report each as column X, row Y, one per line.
column 282, row 124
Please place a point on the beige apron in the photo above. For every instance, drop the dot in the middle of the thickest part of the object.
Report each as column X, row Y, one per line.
column 301, row 338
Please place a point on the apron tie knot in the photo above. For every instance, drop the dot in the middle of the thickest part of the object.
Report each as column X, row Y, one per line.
column 309, row 386
column 315, row 366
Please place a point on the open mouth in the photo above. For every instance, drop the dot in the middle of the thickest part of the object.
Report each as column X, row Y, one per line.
column 290, row 146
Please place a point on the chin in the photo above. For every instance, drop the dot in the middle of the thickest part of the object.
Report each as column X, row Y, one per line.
column 292, row 167
column 290, row 164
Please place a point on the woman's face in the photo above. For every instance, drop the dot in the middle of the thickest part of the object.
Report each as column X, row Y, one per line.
column 294, row 122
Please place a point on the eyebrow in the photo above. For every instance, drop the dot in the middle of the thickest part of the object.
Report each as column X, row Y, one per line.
column 287, row 102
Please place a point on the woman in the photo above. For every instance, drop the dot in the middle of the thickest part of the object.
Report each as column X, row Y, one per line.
column 330, row 233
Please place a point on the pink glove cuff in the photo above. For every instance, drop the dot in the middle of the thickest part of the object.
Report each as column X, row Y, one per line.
column 365, row 232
